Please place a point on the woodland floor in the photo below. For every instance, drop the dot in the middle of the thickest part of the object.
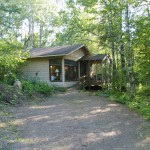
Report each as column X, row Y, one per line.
column 79, row 121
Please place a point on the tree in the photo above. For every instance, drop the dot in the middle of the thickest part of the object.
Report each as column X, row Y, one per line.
column 141, row 44
column 11, row 54
column 106, row 25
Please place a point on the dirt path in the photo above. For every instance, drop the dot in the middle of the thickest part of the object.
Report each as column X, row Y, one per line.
column 77, row 121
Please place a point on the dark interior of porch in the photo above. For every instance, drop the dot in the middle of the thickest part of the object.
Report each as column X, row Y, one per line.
column 94, row 72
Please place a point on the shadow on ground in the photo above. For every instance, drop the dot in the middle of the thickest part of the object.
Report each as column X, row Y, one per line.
column 77, row 121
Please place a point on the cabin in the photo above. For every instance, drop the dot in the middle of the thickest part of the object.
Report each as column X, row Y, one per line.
column 65, row 66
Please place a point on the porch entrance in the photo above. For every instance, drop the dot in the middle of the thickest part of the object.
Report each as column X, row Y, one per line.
column 94, row 71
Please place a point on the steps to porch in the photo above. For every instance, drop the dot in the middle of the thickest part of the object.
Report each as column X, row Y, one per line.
column 90, row 83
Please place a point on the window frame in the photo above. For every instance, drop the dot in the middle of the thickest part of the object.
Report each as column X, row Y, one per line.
column 55, row 64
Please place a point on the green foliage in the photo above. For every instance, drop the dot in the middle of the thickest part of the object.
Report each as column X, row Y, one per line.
column 144, row 90
column 10, row 78
column 11, row 57
column 142, row 49
column 31, row 86
column 119, row 97
column 9, row 12
column 101, row 25
column 28, row 87
column 33, row 91
column 9, row 95
column 43, row 88
column 140, row 103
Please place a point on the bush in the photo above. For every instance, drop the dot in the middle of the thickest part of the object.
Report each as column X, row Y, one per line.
column 32, row 85
column 11, row 58
column 140, row 103
column 8, row 95
column 43, row 88
column 28, row 87
column 144, row 90
column 10, row 78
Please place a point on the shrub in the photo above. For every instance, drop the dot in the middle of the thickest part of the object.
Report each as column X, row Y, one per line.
column 43, row 88
column 9, row 95
column 28, row 87
column 140, row 103
column 10, row 78
column 11, row 57
column 144, row 90
column 32, row 85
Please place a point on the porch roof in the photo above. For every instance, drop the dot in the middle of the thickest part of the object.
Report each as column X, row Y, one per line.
column 96, row 57
column 56, row 51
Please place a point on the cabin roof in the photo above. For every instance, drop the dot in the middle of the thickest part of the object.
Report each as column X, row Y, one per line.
column 94, row 57
column 56, row 51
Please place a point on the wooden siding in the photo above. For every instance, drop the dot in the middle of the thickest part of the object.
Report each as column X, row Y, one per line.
column 39, row 66
column 75, row 55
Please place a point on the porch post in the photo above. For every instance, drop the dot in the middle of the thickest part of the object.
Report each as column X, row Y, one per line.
column 102, row 73
column 96, row 70
column 79, row 74
column 63, row 70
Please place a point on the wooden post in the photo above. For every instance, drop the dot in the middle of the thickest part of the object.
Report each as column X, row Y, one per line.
column 63, row 70
column 102, row 73
column 79, row 74
column 96, row 70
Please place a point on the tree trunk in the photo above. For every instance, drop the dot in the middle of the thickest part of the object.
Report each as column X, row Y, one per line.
column 29, row 33
column 113, row 66
column 129, row 53
column 40, row 35
column 123, row 79
column 32, row 34
column 111, row 32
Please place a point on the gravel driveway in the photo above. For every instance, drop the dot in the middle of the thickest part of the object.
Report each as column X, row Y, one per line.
column 78, row 121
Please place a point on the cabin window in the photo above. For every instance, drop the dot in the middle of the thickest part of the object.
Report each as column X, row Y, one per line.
column 71, row 70
column 55, row 70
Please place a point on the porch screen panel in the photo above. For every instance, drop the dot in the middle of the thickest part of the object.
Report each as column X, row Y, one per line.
column 71, row 70
column 55, row 70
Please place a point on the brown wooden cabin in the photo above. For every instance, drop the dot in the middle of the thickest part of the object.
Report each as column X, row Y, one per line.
column 65, row 66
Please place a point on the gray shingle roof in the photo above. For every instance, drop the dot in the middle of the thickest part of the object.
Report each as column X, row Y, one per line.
column 96, row 57
column 55, row 51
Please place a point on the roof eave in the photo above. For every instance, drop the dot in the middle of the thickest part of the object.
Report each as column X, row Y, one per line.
column 61, row 55
column 47, row 56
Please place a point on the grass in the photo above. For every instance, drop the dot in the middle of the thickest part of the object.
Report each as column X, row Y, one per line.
column 140, row 103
